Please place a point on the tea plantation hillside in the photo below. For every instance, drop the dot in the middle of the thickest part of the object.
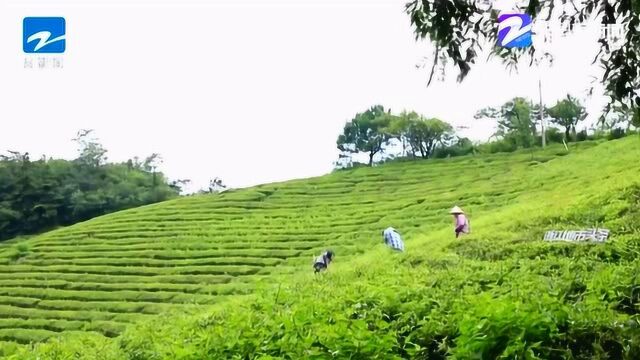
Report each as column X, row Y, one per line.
column 235, row 268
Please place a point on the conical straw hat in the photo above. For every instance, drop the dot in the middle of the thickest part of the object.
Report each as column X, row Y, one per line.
column 456, row 210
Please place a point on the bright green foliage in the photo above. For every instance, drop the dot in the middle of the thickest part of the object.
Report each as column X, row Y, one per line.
column 499, row 292
column 568, row 113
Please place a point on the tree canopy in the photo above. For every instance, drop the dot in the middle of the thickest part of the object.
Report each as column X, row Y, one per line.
column 376, row 131
column 423, row 134
column 410, row 134
column 623, row 117
column 514, row 121
column 462, row 30
column 45, row 193
column 365, row 132
column 568, row 113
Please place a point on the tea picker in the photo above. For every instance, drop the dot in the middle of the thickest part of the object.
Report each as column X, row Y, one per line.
column 462, row 223
column 322, row 261
column 393, row 239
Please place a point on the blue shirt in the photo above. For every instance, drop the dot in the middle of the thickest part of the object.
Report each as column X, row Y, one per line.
column 393, row 239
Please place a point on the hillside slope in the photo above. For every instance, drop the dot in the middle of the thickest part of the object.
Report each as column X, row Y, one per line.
column 498, row 292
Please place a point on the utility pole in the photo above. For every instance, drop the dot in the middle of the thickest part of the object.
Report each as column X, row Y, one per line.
column 544, row 140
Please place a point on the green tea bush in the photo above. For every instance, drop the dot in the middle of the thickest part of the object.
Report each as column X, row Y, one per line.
column 582, row 135
column 554, row 135
column 616, row 133
column 228, row 276
column 18, row 252
column 508, row 329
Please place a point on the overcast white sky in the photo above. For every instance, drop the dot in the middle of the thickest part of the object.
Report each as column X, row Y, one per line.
column 250, row 91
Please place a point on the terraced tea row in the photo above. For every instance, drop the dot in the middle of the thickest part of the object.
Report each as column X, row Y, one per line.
column 196, row 251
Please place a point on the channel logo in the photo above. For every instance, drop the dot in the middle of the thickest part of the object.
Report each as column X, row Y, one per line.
column 44, row 35
column 514, row 30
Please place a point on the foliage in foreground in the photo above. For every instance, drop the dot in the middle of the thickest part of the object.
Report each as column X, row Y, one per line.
column 462, row 30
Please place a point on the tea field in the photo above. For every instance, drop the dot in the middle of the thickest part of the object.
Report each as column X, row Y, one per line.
column 229, row 276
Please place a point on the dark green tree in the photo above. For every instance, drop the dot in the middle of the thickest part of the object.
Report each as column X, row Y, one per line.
column 150, row 164
column 424, row 135
column 567, row 113
column 366, row 132
column 398, row 128
column 623, row 118
column 514, row 121
column 42, row 194
column 91, row 152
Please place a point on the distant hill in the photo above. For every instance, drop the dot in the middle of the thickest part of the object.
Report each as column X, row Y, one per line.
column 499, row 291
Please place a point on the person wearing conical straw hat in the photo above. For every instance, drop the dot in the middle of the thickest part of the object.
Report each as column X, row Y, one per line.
column 462, row 223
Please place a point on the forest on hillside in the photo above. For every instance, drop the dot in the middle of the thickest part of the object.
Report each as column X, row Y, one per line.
column 38, row 195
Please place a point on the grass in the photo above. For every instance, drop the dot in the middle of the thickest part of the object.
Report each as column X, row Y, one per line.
column 228, row 276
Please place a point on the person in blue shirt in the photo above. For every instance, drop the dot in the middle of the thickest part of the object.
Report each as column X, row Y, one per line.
column 393, row 239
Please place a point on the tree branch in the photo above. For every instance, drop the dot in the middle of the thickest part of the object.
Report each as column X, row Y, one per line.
column 433, row 67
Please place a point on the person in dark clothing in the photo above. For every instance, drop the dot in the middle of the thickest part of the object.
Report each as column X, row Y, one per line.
column 322, row 261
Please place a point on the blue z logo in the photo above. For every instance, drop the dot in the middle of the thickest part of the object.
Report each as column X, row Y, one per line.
column 514, row 30
column 44, row 35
